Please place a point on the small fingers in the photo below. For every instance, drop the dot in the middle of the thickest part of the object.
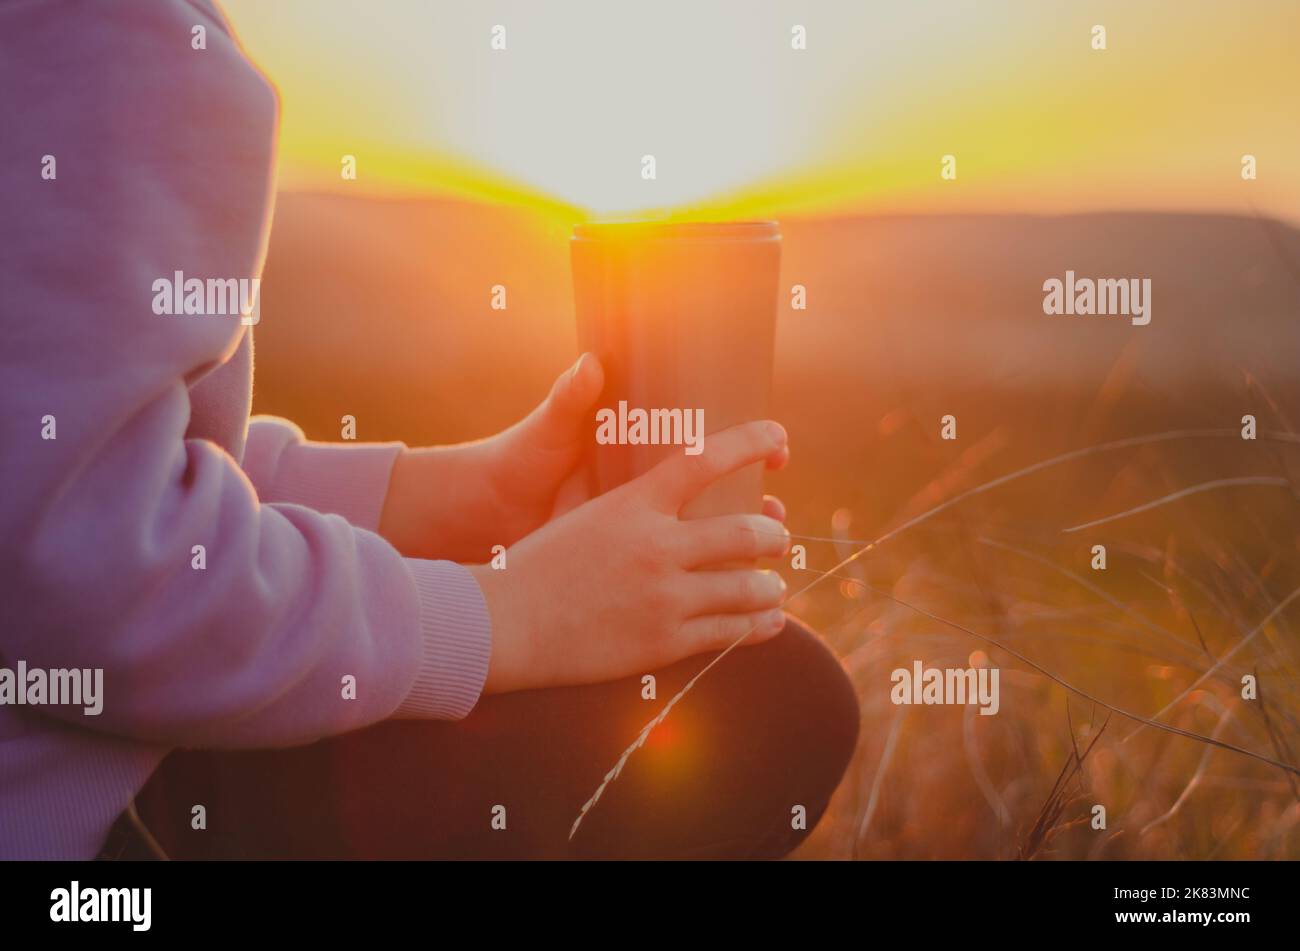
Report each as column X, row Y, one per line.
column 711, row 541
column 720, row 631
column 774, row 508
column 729, row 592
column 679, row 478
column 778, row 459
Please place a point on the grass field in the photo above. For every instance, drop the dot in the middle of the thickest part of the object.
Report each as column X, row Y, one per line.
column 380, row 309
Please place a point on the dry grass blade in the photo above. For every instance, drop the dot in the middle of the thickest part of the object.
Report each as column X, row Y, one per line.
column 1112, row 446
column 1218, row 664
column 1090, row 587
column 1193, row 783
column 1182, row 493
column 1278, row 739
column 1177, row 731
column 978, row 773
column 895, row 728
column 1049, row 816
column 646, row 730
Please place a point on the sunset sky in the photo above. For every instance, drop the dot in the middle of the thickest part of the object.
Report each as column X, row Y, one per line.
column 739, row 123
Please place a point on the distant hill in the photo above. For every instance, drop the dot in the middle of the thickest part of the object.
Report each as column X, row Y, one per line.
column 380, row 308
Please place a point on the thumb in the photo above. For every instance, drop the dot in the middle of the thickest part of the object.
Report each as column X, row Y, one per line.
column 562, row 416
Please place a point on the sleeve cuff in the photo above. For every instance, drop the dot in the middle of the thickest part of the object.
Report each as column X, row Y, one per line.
column 456, row 642
column 338, row 478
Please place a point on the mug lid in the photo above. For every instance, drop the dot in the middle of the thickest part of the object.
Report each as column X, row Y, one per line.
column 676, row 230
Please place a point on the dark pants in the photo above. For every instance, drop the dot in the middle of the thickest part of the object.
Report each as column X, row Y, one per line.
column 769, row 729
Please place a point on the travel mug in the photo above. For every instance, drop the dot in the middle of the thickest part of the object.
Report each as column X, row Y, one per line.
column 683, row 318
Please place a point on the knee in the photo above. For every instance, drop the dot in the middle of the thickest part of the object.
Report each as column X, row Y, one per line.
column 820, row 706
column 801, row 733
column 762, row 743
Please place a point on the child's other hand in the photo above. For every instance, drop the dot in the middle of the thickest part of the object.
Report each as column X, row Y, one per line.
column 534, row 470
column 621, row 585
column 457, row 502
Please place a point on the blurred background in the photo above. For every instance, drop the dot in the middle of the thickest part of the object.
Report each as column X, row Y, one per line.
column 924, row 298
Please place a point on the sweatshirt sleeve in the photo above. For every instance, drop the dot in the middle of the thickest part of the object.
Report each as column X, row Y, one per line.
column 347, row 479
column 218, row 620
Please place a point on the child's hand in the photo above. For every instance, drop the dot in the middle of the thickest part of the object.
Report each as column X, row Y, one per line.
column 620, row 585
column 534, row 466
column 457, row 502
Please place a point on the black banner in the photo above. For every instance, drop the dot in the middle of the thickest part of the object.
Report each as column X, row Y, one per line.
column 330, row 901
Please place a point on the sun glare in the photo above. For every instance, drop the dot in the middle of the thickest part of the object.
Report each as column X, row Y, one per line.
column 708, row 110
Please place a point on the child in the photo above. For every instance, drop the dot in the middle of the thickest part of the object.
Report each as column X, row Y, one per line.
column 245, row 590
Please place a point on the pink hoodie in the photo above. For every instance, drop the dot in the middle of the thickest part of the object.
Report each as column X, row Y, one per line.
column 163, row 160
